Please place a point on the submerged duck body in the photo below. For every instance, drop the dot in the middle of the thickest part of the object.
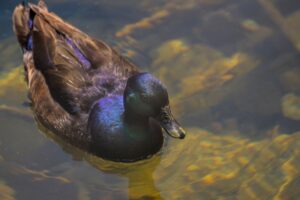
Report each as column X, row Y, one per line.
column 85, row 92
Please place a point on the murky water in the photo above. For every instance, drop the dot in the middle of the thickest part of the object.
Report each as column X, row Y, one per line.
column 232, row 69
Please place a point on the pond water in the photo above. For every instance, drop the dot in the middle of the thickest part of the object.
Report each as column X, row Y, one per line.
column 232, row 69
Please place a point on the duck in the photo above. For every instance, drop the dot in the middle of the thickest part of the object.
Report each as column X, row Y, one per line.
column 85, row 92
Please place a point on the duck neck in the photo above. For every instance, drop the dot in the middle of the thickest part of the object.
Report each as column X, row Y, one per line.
column 135, row 119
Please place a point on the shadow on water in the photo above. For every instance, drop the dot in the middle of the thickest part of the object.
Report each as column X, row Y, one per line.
column 29, row 155
column 139, row 175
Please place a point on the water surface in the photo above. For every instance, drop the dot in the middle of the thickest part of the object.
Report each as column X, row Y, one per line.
column 232, row 69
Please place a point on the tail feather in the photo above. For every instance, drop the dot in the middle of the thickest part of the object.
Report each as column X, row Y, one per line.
column 42, row 4
column 21, row 24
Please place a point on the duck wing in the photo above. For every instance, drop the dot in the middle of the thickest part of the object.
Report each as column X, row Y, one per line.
column 64, row 72
column 98, row 53
column 52, row 111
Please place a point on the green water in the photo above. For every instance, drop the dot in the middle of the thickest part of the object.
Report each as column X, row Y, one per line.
column 232, row 69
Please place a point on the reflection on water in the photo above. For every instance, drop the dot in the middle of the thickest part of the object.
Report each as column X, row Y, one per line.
column 232, row 70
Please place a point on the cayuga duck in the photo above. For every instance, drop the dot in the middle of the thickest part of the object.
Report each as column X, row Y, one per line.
column 84, row 91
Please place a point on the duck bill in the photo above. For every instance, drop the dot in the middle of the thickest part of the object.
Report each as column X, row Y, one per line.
column 170, row 125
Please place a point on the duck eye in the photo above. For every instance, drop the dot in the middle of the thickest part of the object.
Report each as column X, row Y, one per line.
column 131, row 97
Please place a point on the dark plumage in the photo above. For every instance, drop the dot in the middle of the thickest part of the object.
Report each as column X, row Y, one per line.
column 71, row 76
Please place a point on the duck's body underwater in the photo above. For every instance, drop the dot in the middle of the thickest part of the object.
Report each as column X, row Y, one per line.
column 86, row 93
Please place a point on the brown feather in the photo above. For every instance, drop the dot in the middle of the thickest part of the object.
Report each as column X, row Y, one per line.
column 62, row 88
column 97, row 52
column 20, row 24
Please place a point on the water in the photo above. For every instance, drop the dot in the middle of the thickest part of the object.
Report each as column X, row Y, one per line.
column 232, row 72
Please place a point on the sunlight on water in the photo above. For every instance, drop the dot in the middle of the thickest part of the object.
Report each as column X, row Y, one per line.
column 232, row 72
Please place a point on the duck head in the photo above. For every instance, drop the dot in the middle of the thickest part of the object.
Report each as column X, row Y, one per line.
column 145, row 96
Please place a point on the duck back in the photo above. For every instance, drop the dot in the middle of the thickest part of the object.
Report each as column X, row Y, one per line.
column 67, row 71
